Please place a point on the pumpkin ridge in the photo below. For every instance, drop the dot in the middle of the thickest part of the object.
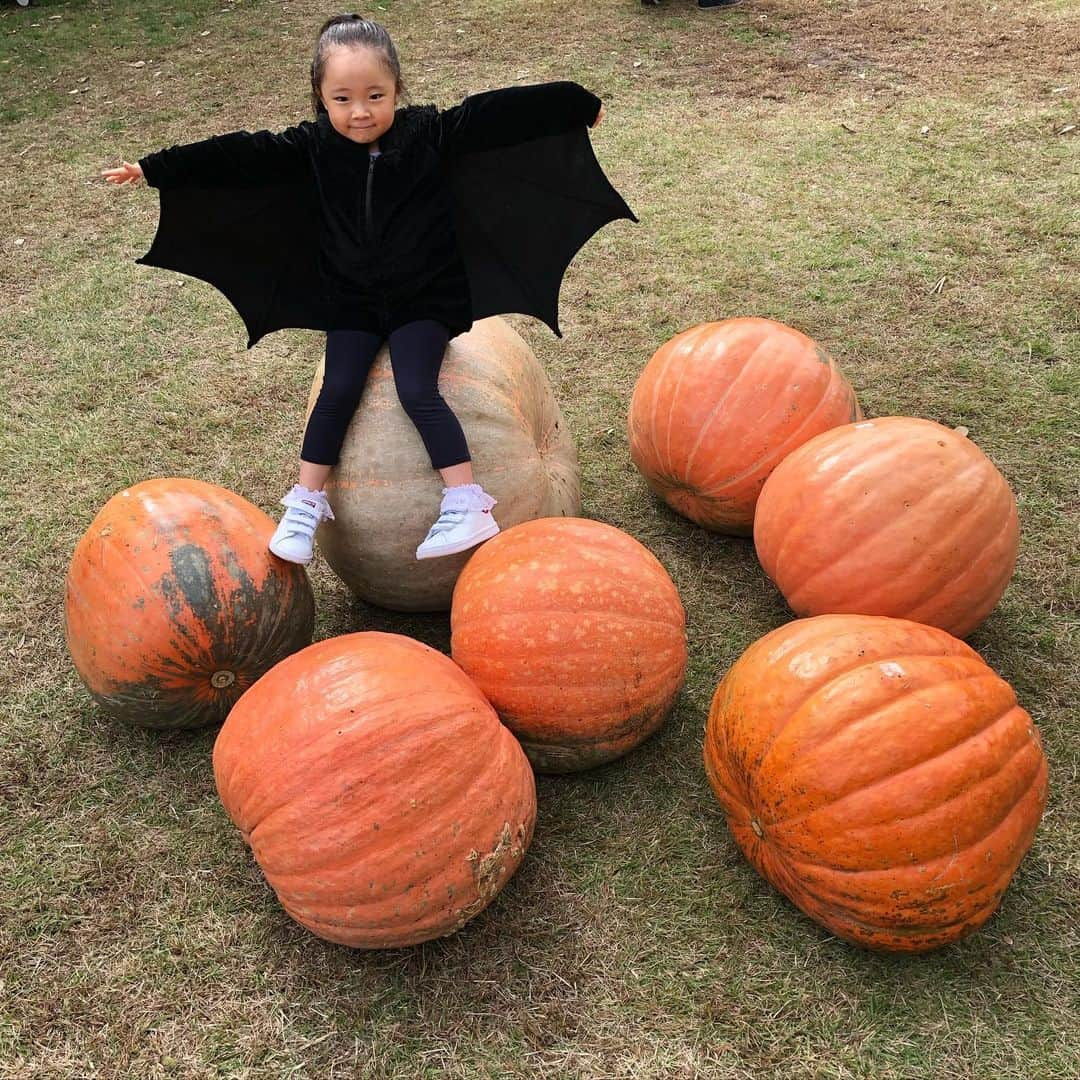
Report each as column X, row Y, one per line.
column 489, row 617
column 656, row 397
column 617, row 681
column 824, row 900
column 834, row 676
column 653, row 385
column 956, row 584
column 315, row 760
column 958, row 523
column 343, row 910
column 236, row 736
column 851, row 873
column 595, row 716
column 884, row 523
column 549, row 650
column 826, row 910
column 672, row 398
column 792, row 525
column 423, row 838
column 1022, row 746
column 641, row 720
column 123, row 554
column 704, row 425
column 903, row 696
column 780, row 451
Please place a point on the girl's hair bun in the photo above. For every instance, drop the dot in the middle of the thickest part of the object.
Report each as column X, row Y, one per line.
column 353, row 31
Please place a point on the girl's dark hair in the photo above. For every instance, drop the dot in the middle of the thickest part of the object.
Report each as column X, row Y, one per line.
column 354, row 31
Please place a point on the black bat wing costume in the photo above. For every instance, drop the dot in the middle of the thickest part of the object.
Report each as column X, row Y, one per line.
column 473, row 211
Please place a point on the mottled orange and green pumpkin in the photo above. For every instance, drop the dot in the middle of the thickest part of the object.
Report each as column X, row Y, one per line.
column 379, row 793
column 894, row 516
column 721, row 404
column 879, row 774
column 576, row 634
column 174, row 606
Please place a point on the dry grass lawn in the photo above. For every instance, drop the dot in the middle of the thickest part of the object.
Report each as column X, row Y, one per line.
column 900, row 180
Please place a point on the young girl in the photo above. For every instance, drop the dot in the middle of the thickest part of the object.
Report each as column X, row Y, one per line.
column 368, row 181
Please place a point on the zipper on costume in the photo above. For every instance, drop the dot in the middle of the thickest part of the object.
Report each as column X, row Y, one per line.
column 367, row 199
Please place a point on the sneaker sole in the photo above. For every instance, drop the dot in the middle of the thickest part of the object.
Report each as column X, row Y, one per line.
column 289, row 558
column 462, row 545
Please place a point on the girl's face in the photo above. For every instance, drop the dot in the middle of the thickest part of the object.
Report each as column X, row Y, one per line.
column 359, row 93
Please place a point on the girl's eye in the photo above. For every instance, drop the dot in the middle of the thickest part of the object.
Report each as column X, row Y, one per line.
column 377, row 97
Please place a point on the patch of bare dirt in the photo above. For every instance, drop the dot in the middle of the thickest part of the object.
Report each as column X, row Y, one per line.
column 955, row 46
column 781, row 48
column 935, row 44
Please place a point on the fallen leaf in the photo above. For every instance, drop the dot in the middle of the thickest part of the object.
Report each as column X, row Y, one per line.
column 204, row 33
column 20, row 241
column 848, row 129
column 138, row 63
column 1067, row 128
column 924, row 131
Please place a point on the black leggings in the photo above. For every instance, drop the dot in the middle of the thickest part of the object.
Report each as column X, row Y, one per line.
column 416, row 354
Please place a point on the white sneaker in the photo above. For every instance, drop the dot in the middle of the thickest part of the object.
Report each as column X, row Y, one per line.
column 294, row 538
column 464, row 521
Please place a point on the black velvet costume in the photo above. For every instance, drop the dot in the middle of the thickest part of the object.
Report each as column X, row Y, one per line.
column 467, row 212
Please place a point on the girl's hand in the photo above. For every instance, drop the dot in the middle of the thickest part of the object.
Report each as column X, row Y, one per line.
column 126, row 174
column 599, row 117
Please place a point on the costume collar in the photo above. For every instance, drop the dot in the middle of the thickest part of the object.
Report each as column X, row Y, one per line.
column 390, row 143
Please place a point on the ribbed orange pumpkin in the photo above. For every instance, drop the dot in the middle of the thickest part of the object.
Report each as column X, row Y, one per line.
column 879, row 774
column 577, row 636
column 896, row 516
column 174, row 606
column 720, row 405
column 381, row 796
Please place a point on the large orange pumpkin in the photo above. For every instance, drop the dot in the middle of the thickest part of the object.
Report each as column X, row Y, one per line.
column 577, row 636
column 896, row 516
column 879, row 774
column 174, row 606
column 721, row 404
column 381, row 796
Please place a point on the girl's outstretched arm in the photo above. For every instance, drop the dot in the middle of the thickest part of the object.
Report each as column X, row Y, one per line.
column 241, row 158
column 516, row 114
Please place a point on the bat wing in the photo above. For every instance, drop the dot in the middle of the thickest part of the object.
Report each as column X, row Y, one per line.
column 522, row 213
column 256, row 245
